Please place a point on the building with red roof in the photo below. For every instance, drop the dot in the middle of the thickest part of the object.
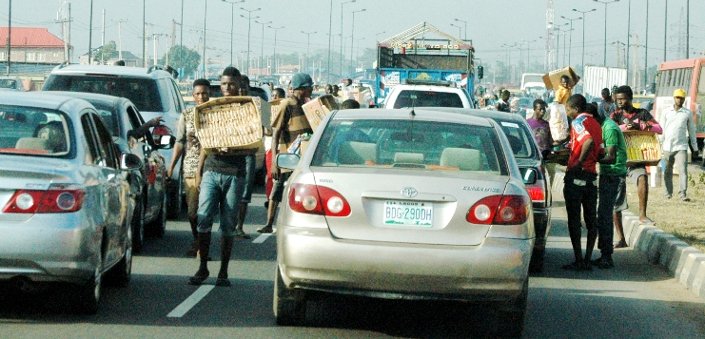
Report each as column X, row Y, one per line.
column 32, row 45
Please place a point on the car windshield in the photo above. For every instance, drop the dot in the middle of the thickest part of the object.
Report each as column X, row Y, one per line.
column 409, row 144
column 413, row 98
column 109, row 117
column 142, row 92
column 33, row 131
column 519, row 139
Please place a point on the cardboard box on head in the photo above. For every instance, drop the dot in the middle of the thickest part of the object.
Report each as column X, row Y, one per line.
column 317, row 109
column 552, row 79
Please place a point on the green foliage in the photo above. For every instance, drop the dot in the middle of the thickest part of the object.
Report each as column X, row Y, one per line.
column 182, row 57
column 106, row 52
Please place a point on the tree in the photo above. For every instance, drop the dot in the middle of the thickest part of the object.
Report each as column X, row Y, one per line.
column 182, row 58
column 106, row 52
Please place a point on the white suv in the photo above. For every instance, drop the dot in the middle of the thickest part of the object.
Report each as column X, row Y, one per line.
column 153, row 90
column 427, row 94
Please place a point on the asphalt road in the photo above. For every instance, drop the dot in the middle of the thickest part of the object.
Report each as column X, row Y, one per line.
column 635, row 299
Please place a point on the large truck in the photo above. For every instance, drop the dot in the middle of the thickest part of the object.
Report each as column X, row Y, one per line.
column 595, row 78
column 413, row 54
column 533, row 85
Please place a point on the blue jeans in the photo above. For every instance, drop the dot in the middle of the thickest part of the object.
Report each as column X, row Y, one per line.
column 219, row 192
column 250, row 174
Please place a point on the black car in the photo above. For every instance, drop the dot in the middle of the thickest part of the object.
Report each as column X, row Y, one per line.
column 130, row 133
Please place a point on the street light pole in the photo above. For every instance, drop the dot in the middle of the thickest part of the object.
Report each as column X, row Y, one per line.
column 249, row 29
column 605, row 2
column 308, row 45
column 341, row 33
column 459, row 28
column 330, row 39
column 582, row 60
column 259, row 73
column 205, row 17
column 274, row 59
column 570, row 41
column 232, row 24
column 352, row 38
column 465, row 23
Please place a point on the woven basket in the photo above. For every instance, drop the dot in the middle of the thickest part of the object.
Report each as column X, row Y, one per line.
column 229, row 123
column 643, row 148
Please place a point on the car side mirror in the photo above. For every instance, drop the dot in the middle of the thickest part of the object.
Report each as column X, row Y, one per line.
column 530, row 176
column 129, row 161
column 287, row 160
column 165, row 141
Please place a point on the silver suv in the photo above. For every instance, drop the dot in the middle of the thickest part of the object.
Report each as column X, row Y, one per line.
column 153, row 90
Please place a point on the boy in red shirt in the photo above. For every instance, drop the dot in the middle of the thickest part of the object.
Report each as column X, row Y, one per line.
column 580, row 182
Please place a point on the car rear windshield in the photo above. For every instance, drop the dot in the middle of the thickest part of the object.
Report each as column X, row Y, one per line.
column 413, row 98
column 410, row 144
column 519, row 138
column 142, row 92
column 33, row 131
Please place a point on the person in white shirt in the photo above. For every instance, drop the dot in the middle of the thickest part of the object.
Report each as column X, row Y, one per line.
column 676, row 121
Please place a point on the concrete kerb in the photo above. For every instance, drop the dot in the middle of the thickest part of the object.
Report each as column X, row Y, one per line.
column 685, row 263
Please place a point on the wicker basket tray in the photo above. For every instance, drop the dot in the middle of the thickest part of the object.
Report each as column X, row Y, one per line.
column 229, row 123
column 643, row 148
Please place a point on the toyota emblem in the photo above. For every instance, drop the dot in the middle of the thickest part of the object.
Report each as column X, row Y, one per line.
column 409, row 192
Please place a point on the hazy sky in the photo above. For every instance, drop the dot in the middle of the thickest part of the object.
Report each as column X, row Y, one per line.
column 490, row 24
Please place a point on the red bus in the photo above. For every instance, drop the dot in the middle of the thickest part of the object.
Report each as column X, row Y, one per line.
column 688, row 74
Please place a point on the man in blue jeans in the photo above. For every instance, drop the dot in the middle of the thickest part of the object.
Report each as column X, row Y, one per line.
column 221, row 178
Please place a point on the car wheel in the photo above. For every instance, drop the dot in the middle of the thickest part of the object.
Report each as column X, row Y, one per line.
column 289, row 305
column 120, row 274
column 510, row 316
column 138, row 227
column 158, row 226
column 89, row 293
column 173, row 198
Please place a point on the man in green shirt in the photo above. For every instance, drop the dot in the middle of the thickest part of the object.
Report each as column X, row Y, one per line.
column 612, row 196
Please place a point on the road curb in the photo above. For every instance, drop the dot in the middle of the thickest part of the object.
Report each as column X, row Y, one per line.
column 686, row 263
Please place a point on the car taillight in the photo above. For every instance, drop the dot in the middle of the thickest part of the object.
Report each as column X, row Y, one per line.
column 499, row 210
column 53, row 200
column 314, row 199
column 536, row 191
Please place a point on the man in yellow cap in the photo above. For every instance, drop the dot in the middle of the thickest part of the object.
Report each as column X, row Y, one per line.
column 676, row 120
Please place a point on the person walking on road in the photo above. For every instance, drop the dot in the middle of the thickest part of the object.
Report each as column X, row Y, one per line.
column 580, row 179
column 612, row 191
column 187, row 145
column 250, row 166
column 676, row 121
column 630, row 118
column 607, row 106
column 287, row 126
column 221, row 178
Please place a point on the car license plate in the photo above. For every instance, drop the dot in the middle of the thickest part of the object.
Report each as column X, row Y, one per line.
column 408, row 213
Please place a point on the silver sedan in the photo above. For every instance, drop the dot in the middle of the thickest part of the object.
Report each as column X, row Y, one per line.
column 65, row 203
column 405, row 204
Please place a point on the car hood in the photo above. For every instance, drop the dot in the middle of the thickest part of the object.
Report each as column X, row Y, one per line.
column 447, row 195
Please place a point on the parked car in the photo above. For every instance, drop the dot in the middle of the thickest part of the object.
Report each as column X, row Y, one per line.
column 412, row 204
column 533, row 170
column 128, row 128
column 428, row 94
column 65, row 203
column 153, row 90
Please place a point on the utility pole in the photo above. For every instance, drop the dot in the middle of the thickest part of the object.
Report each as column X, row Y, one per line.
column 330, row 38
column 120, row 37
column 144, row 34
column 249, row 28
column 9, row 35
column 341, row 33
column 102, row 41
column 90, row 35
column 65, row 21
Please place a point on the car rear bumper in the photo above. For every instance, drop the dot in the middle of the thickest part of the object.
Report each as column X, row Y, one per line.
column 311, row 259
column 48, row 251
column 542, row 224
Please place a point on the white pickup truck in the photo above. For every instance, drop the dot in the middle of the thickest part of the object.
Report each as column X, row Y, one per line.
column 428, row 94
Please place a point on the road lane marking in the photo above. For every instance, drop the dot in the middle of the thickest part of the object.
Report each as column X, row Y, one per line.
column 261, row 238
column 190, row 302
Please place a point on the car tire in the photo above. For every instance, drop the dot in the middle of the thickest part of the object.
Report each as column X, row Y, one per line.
column 289, row 305
column 510, row 316
column 138, row 226
column 119, row 275
column 89, row 293
column 157, row 228
column 173, row 198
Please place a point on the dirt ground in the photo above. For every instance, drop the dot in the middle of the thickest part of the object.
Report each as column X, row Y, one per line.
column 686, row 220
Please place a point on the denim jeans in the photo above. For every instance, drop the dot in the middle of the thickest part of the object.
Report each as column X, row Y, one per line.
column 219, row 193
column 250, row 174
column 608, row 190
column 680, row 160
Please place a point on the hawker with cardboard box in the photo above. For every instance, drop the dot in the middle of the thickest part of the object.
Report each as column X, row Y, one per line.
column 288, row 125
